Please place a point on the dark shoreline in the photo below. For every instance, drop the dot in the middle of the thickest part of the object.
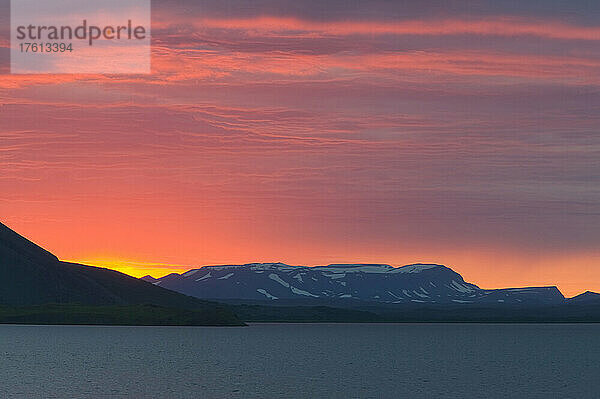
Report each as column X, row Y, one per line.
column 152, row 315
column 118, row 315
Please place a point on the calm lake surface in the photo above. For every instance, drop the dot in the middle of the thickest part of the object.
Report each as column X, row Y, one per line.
column 301, row 361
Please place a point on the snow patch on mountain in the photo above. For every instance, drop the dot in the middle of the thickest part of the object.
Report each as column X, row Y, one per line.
column 207, row 275
column 265, row 293
column 461, row 287
column 302, row 292
column 275, row 277
column 358, row 268
column 335, row 276
column 271, row 266
column 417, row 268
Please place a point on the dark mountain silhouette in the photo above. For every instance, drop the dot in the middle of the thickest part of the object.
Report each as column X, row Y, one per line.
column 374, row 293
column 38, row 288
column 31, row 275
column 411, row 284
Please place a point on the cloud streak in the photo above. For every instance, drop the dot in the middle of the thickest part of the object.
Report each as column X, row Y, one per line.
column 322, row 134
column 498, row 26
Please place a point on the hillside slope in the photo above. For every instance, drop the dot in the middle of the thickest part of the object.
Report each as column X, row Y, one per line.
column 30, row 275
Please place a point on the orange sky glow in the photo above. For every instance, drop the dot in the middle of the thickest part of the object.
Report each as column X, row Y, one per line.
column 336, row 134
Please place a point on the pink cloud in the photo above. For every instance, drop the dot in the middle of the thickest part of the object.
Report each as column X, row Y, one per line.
column 498, row 26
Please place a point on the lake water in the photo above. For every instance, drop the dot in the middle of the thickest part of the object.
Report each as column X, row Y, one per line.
column 301, row 361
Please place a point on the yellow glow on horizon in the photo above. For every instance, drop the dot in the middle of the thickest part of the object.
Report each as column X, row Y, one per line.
column 572, row 273
column 134, row 268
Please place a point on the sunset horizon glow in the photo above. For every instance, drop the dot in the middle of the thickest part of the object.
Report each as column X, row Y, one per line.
column 374, row 132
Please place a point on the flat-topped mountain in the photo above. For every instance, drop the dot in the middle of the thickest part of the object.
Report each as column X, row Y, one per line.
column 30, row 275
column 411, row 284
column 39, row 288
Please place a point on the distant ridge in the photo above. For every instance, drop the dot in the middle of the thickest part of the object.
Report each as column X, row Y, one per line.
column 380, row 283
column 417, row 293
column 149, row 279
column 585, row 298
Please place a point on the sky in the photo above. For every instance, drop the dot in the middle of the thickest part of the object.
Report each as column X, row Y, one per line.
column 465, row 133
